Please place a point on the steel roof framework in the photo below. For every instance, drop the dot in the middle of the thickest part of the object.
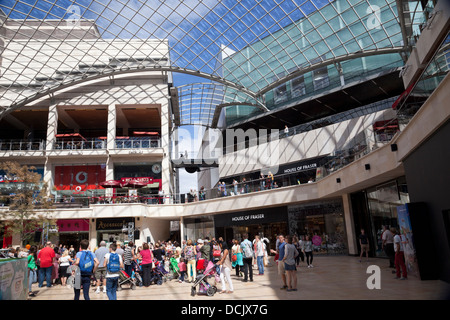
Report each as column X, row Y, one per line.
column 205, row 38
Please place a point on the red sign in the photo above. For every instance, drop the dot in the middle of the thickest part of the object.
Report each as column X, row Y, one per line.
column 79, row 178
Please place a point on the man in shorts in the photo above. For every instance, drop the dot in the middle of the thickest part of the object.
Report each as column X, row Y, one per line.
column 364, row 243
column 100, row 273
column 280, row 251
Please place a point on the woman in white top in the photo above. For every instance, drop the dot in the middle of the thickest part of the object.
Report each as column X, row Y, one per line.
column 225, row 271
column 64, row 262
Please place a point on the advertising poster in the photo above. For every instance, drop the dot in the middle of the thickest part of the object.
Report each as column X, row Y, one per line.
column 406, row 235
column 13, row 279
column 79, row 178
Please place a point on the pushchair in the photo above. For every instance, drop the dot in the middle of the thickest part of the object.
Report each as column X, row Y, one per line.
column 174, row 270
column 136, row 273
column 159, row 273
column 124, row 278
column 202, row 281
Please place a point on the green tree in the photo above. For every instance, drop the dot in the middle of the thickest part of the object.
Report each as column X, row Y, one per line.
column 28, row 206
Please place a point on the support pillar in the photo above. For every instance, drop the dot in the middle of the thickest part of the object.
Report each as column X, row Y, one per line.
column 349, row 225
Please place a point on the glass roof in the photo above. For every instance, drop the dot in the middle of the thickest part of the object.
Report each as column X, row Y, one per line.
column 242, row 49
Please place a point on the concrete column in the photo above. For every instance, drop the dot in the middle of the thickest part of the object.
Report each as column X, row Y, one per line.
column 52, row 130
column 181, row 229
column 92, row 234
column 349, row 225
column 111, row 134
column 111, row 139
column 52, row 126
column 165, row 140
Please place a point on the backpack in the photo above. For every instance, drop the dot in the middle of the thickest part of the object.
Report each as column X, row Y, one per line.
column 247, row 250
column 86, row 262
column 113, row 263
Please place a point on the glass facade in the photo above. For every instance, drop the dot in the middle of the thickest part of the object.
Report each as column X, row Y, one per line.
column 323, row 222
column 382, row 202
column 328, row 38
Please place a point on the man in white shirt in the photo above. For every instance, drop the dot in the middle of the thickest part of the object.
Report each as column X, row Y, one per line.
column 259, row 252
column 399, row 256
column 388, row 245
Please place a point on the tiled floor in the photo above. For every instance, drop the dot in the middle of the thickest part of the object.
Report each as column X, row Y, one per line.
column 332, row 278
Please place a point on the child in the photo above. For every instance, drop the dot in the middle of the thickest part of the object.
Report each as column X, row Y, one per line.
column 182, row 267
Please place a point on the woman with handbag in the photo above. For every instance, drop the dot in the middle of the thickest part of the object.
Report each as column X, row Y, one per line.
column 236, row 258
column 190, row 254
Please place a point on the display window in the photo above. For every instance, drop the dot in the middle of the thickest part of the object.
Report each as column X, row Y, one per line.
column 323, row 222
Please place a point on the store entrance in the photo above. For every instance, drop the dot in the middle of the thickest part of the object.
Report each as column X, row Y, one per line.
column 265, row 230
column 73, row 239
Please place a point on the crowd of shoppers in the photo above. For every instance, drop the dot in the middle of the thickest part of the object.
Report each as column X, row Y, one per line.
column 240, row 258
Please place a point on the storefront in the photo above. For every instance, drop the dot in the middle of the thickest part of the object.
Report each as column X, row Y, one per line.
column 376, row 207
column 72, row 231
column 113, row 230
column 267, row 223
column 198, row 228
column 323, row 222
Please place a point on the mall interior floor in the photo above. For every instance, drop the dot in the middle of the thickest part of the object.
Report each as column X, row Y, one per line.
column 332, row 278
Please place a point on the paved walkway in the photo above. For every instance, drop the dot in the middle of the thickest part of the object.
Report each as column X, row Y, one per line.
column 332, row 278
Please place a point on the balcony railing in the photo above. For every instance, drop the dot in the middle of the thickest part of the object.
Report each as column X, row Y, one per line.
column 22, row 145
column 64, row 144
column 137, row 143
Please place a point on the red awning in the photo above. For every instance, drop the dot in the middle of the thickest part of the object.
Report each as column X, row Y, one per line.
column 146, row 133
column 70, row 135
column 386, row 124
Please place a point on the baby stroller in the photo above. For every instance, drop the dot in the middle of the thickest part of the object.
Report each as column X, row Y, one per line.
column 159, row 273
column 124, row 278
column 174, row 270
column 202, row 281
column 136, row 273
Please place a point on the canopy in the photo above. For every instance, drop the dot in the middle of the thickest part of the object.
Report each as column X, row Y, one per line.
column 111, row 184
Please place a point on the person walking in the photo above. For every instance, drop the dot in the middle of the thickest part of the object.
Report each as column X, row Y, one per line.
column 189, row 255
column 46, row 258
column 388, row 245
column 247, row 258
column 88, row 264
column 399, row 256
column 259, row 252
column 112, row 263
column 290, row 253
column 146, row 257
column 308, row 251
column 364, row 243
column 100, row 273
column 226, row 267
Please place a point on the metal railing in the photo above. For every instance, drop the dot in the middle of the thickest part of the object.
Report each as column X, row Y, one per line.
column 22, row 145
column 138, row 143
column 74, row 144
